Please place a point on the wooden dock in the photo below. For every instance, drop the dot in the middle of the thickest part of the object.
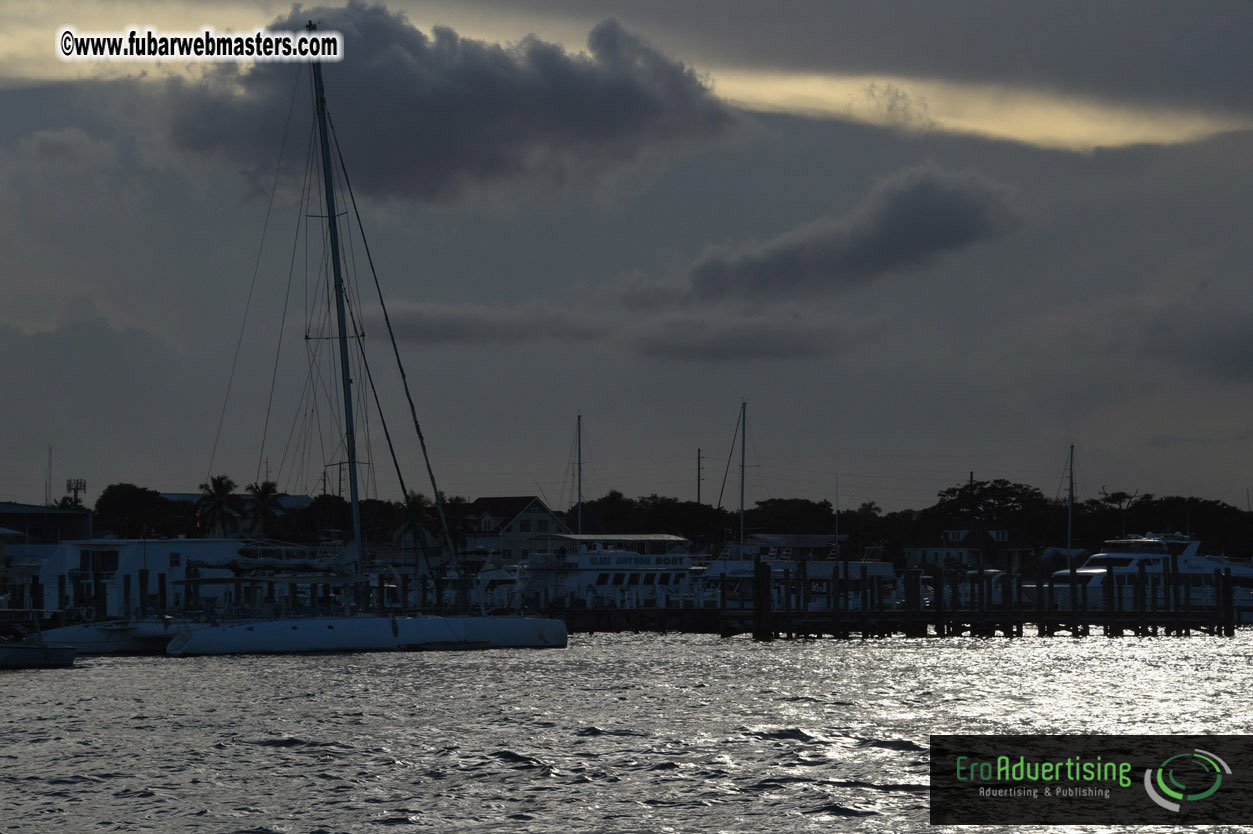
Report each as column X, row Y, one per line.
column 984, row 605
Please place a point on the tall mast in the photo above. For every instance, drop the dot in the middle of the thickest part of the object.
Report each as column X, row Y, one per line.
column 578, row 433
column 1070, row 504
column 743, row 441
column 345, row 371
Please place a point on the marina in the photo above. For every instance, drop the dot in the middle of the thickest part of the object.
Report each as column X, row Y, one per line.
column 386, row 352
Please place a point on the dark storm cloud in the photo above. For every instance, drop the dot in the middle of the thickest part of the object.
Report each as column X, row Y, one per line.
column 422, row 323
column 426, row 117
column 912, row 218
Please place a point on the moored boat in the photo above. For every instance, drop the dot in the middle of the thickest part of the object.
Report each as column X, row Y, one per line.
column 35, row 655
column 1175, row 575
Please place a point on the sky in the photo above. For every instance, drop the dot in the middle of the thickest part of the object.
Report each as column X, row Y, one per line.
column 920, row 240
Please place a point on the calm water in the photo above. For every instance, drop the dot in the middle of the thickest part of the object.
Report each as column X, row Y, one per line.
column 617, row 733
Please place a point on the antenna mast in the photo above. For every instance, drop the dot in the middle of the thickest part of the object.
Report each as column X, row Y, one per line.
column 328, row 182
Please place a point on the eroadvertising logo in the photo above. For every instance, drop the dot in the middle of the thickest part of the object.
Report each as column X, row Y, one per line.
column 1192, row 777
column 1027, row 780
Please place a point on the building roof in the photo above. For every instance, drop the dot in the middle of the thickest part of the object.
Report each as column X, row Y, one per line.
column 978, row 537
column 14, row 508
column 507, row 507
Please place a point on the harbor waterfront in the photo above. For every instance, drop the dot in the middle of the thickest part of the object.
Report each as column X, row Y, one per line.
column 617, row 733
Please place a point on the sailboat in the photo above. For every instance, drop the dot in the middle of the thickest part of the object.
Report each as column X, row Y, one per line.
column 363, row 631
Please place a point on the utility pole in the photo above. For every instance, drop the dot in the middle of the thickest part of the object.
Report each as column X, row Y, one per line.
column 698, row 474
column 1070, row 507
column 743, row 461
column 578, row 431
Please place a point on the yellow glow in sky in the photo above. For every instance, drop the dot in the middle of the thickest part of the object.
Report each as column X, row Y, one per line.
column 1035, row 117
column 1032, row 116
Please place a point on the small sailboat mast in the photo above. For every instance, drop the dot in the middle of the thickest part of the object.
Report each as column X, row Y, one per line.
column 352, row 552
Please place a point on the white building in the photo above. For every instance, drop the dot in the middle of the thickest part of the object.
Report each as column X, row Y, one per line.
column 506, row 525
column 106, row 578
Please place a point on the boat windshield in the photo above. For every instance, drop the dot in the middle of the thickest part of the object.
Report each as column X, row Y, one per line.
column 1110, row 561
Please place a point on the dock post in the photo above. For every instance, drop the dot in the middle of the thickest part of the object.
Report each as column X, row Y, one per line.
column 162, row 594
column 841, row 598
column 1186, row 612
column 913, row 600
column 143, row 592
column 1142, row 628
column 1229, row 604
column 1219, row 612
column 787, row 603
column 830, row 587
column 865, row 601
column 1015, row 581
column 126, row 595
column 978, row 600
column 802, row 579
column 1052, row 606
column 1107, row 592
column 955, row 604
column 937, row 577
column 763, row 629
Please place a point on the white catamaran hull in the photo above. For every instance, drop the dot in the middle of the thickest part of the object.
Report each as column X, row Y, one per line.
column 367, row 633
column 122, row 637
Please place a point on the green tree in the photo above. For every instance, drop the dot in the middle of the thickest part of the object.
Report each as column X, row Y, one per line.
column 133, row 512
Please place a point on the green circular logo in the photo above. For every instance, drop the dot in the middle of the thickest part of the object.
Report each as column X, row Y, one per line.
column 1185, row 777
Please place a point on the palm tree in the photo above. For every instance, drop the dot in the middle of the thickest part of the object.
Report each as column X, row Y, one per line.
column 264, row 508
column 219, row 507
column 418, row 507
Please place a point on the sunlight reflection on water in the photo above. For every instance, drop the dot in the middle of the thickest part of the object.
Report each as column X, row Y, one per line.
column 630, row 732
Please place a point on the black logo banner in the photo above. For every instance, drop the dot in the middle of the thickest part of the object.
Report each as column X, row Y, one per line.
column 1125, row 780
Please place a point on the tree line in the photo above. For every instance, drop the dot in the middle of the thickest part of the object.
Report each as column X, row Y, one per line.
column 1032, row 519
